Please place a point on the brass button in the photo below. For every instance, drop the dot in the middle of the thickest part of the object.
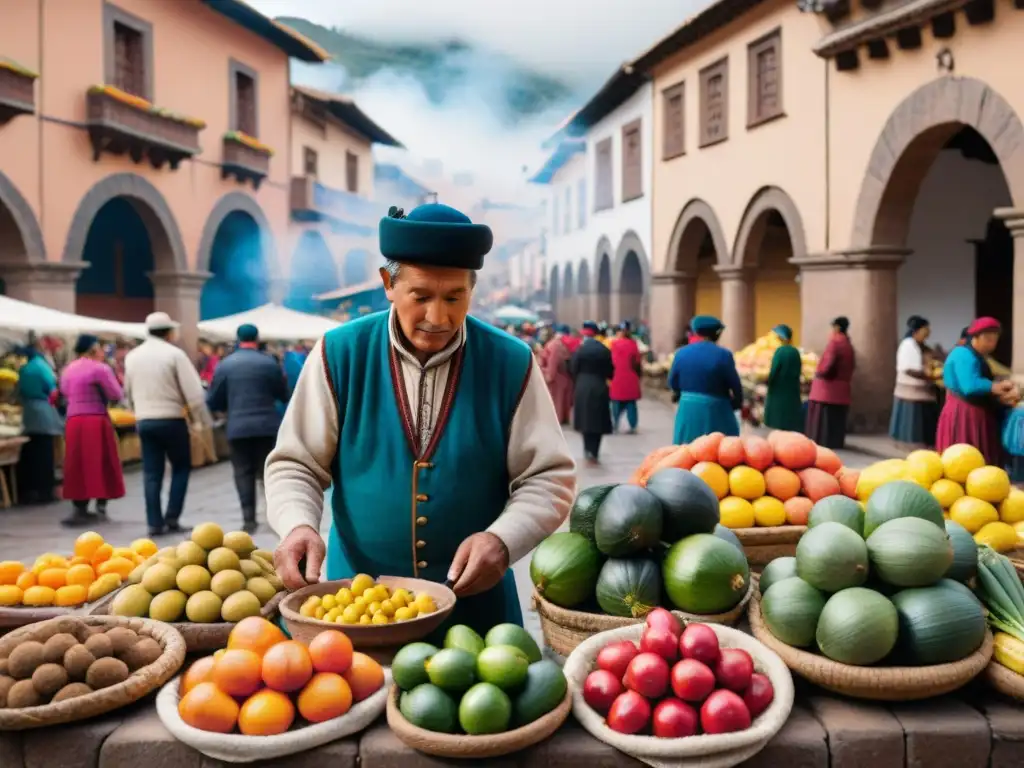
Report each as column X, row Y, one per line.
column 424, row 465
column 422, row 497
column 421, row 521
column 421, row 544
column 421, row 564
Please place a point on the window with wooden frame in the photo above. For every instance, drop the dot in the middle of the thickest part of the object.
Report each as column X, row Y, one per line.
column 632, row 162
column 244, row 104
column 714, row 103
column 310, row 162
column 764, row 79
column 604, row 193
column 673, row 103
column 352, row 172
column 128, row 55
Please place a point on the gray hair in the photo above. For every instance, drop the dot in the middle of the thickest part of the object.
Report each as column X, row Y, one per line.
column 394, row 268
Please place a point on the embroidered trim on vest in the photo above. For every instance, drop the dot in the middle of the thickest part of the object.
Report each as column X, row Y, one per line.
column 454, row 372
column 405, row 408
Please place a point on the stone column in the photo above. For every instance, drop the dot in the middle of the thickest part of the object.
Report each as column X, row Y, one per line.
column 737, row 306
column 673, row 299
column 177, row 294
column 1013, row 218
column 862, row 285
column 584, row 307
column 46, row 283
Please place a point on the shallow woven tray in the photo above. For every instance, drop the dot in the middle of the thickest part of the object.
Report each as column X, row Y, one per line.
column 199, row 638
column 875, row 683
column 475, row 747
column 12, row 617
column 762, row 545
column 1004, row 680
column 565, row 628
column 139, row 684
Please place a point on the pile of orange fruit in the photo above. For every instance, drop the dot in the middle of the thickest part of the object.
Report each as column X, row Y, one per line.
column 95, row 568
column 276, row 680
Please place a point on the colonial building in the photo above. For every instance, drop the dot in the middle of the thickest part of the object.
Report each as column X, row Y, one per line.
column 144, row 155
column 846, row 158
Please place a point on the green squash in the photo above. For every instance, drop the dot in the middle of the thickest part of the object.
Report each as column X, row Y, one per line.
column 938, row 625
column 965, row 553
column 791, row 608
column 689, row 503
column 778, row 569
column 960, row 587
column 543, row 690
column 705, row 575
column 629, row 588
column 857, row 626
column 628, row 522
column 584, row 510
column 831, row 557
column 898, row 499
column 909, row 552
column 564, row 568
column 726, row 534
column 838, row 509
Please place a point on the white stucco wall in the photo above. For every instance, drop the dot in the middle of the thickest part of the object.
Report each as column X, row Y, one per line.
column 567, row 245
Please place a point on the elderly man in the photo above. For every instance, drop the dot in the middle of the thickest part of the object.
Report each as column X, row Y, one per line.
column 436, row 430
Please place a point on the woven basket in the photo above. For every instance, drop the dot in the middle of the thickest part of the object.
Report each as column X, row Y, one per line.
column 1005, row 680
column 564, row 628
column 762, row 545
column 141, row 682
column 16, row 616
column 200, row 638
column 475, row 747
column 875, row 683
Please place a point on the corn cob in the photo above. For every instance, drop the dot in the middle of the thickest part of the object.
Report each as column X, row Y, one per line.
column 1009, row 651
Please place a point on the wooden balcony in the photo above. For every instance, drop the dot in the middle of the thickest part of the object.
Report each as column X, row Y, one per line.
column 117, row 127
column 17, row 91
column 245, row 160
column 344, row 211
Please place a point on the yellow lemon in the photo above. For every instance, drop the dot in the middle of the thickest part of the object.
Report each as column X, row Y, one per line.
column 405, row 614
column 39, row 596
column 746, row 483
column 714, row 475
column 736, row 512
column 144, row 547
column 344, row 597
column 958, row 461
column 769, row 512
column 365, row 619
column 10, row 595
column 946, row 492
column 1012, row 509
column 333, row 614
column 80, row 574
column 351, row 613
column 400, row 598
column 381, row 593
column 361, row 583
column 380, row 618
column 972, row 513
column 307, row 609
column 990, row 484
column 319, row 612
column 879, row 474
column 73, row 594
column 387, row 608
column 87, row 544
column 373, row 607
column 924, row 467
column 328, row 601
column 1000, row 536
column 425, row 604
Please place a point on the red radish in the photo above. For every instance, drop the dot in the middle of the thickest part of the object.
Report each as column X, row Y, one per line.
column 615, row 657
column 600, row 689
column 647, row 675
column 700, row 642
column 629, row 713
column 759, row 694
column 663, row 619
column 692, row 680
column 734, row 669
column 661, row 642
column 673, row 719
column 724, row 712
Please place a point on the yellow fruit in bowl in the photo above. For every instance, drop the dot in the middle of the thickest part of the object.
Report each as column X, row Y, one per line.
column 736, row 512
column 1000, row 536
column 424, row 604
column 10, row 595
column 361, row 583
column 344, row 597
column 87, row 544
column 972, row 513
column 406, row 613
column 380, row 618
column 365, row 619
column 769, row 512
column 1012, row 508
column 39, row 596
column 350, row 614
column 328, row 601
column 714, row 475
column 958, row 461
column 989, row 483
column 747, row 483
column 144, row 547
column 319, row 612
column 946, row 492
column 924, row 467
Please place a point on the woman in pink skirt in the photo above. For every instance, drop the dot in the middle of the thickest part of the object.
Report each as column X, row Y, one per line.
column 92, row 466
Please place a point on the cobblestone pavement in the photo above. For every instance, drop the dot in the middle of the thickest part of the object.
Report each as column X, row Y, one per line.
column 28, row 531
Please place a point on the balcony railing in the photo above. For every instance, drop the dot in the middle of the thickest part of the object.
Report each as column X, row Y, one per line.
column 311, row 200
column 245, row 159
column 17, row 91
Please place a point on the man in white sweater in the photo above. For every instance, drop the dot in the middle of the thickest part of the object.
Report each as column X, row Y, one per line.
column 435, row 430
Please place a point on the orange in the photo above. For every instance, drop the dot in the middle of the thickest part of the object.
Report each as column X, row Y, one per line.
column 325, row 697
column 73, row 594
column 365, row 677
column 26, row 580
column 255, row 634
column 331, row 651
column 266, row 713
column 238, row 672
column 102, row 554
column 39, row 596
column 53, row 577
column 208, row 708
column 713, row 474
column 81, row 574
column 87, row 544
column 79, row 560
column 199, row 672
column 122, row 566
column 10, row 570
column 287, row 666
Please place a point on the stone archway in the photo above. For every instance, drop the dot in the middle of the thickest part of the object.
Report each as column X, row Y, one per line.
column 228, row 204
column 696, row 226
column 754, row 222
column 313, row 272
column 584, row 289
column 569, row 308
column 24, row 272
column 631, row 277
column 603, row 283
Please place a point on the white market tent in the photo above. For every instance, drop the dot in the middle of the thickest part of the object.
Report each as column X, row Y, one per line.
column 19, row 317
column 510, row 313
column 275, row 323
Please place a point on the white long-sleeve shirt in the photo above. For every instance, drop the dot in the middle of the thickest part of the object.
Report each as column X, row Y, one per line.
column 160, row 382
column 541, row 470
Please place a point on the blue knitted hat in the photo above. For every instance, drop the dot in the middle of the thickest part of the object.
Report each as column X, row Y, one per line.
column 434, row 235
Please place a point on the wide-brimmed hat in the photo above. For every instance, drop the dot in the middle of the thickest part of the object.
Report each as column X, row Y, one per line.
column 160, row 321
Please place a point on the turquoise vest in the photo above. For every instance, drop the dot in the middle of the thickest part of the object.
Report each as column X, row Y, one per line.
column 403, row 510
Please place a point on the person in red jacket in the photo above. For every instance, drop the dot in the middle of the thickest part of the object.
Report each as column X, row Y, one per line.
column 625, row 386
column 829, row 402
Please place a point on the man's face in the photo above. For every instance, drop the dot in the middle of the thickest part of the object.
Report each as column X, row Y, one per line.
column 431, row 303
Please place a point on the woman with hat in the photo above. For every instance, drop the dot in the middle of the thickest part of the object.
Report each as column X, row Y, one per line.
column 975, row 400
column 829, row 401
column 92, row 466
column 782, row 406
column 40, row 423
column 704, row 377
column 915, row 410
column 591, row 368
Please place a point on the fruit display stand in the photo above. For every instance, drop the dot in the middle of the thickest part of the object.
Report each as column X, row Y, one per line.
column 1004, row 680
column 762, row 545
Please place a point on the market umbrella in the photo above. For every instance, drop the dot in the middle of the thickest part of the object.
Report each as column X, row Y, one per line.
column 513, row 315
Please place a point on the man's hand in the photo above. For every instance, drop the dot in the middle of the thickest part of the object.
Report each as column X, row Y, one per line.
column 303, row 543
column 479, row 564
